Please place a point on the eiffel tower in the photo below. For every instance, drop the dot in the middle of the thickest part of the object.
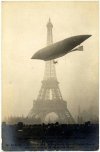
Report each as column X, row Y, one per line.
column 49, row 102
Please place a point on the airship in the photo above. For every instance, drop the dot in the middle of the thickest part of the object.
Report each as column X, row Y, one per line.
column 61, row 48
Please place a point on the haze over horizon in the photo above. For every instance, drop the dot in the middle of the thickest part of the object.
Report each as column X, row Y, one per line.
column 24, row 33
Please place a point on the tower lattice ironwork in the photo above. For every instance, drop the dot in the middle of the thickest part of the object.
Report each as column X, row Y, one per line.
column 49, row 99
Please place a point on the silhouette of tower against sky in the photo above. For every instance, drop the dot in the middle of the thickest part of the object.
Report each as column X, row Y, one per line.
column 49, row 105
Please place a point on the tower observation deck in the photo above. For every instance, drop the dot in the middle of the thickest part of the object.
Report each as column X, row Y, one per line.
column 49, row 105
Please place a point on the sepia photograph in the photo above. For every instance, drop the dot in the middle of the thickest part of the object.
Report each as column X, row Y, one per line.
column 50, row 75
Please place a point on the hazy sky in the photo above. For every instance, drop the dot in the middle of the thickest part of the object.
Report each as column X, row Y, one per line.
column 24, row 32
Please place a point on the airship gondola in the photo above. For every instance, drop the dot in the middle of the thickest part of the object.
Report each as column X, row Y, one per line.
column 60, row 48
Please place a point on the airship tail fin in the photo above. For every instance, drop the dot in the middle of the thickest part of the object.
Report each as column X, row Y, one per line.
column 80, row 48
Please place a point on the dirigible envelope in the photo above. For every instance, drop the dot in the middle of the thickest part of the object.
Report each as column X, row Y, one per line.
column 60, row 48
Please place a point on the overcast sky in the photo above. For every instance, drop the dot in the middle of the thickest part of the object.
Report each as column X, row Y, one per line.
column 24, row 32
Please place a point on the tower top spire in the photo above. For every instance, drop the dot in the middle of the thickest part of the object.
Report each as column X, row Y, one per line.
column 49, row 32
column 49, row 19
column 49, row 24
